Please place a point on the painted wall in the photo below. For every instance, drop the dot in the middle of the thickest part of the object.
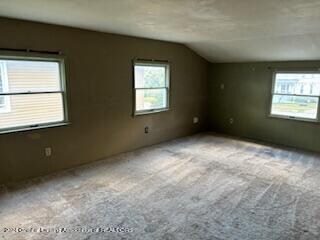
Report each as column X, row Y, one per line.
column 99, row 79
column 246, row 99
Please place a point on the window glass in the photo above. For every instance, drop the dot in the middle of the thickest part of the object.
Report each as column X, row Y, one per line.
column 33, row 109
column 297, row 83
column 33, row 76
column 296, row 95
column 295, row 106
column 151, row 90
column 150, row 76
column 151, row 99
column 34, row 94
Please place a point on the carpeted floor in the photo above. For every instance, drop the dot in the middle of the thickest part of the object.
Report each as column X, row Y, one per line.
column 200, row 187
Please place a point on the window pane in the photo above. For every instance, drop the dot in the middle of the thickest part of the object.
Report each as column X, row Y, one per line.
column 31, row 109
column 297, row 83
column 295, row 106
column 32, row 76
column 150, row 76
column 147, row 99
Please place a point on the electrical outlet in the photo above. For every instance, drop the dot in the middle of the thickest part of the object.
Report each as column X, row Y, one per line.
column 231, row 120
column 222, row 86
column 48, row 151
column 195, row 120
column 146, row 130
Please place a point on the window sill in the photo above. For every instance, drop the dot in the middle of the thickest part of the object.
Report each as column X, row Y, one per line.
column 294, row 118
column 31, row 128
column 150, row 112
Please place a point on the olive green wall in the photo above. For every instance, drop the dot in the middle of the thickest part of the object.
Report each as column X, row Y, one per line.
column 99, row 79
column 246, row 98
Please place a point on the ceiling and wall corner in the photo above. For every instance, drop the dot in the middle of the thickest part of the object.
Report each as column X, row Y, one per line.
column 219, row 30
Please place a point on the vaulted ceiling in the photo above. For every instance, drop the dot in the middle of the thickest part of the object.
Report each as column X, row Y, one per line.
column 219, row 30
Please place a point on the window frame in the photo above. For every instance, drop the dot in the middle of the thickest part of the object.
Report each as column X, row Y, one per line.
column 5, row 85
column 166, row 65
column 287, row 117
column 42, row 57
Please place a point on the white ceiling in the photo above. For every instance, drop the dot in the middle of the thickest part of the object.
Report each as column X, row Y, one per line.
column 219, row 30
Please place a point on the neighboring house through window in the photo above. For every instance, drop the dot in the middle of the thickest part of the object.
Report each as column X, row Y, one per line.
column 295, row 95
column 32, row 92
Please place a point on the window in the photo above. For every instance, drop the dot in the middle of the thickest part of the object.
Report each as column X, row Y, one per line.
column 32, row 92
column 295, row 95
column 151, row 87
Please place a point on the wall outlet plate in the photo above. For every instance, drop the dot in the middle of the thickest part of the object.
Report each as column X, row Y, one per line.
column 48, row 151
column 195, row 119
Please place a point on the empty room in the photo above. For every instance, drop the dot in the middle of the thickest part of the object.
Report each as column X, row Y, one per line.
column 160, row 119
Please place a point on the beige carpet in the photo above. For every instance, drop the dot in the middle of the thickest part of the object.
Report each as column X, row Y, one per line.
column 200, row 187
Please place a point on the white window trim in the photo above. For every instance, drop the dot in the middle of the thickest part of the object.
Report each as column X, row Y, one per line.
column 60, row 59
column 314, row 120
column 5, row 87
column 167, row 87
